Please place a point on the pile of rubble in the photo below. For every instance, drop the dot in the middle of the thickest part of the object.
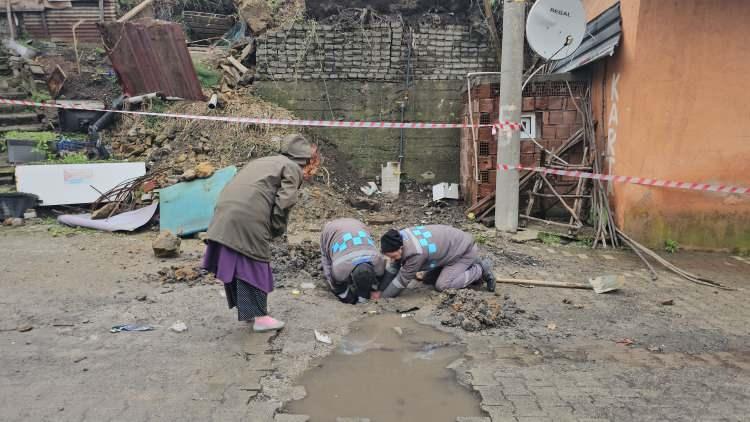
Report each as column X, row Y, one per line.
column 181, row 144
column 475, row 311
column 190, row 274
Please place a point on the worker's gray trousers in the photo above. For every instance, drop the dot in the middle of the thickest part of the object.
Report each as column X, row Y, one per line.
column 461, row 273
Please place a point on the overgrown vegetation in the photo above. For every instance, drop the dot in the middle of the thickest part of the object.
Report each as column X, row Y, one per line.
column 40, row 97
column 550, row 239
column 671, row 246
column 31, row 136
column 208, row 77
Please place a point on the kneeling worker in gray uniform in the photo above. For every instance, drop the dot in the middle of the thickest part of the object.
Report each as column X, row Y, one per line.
column 351, row 261
column 443, row 253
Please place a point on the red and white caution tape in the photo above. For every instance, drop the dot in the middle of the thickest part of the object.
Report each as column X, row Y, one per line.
column 703, row 187
column 268, row 121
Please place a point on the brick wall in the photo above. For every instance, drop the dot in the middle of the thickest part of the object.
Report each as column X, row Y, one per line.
column 378, row 52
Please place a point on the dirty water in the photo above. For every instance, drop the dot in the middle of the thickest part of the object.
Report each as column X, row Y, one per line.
column 388, row 368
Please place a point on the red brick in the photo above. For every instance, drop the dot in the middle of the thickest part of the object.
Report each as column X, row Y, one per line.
column 563, row 132
column 528, row 104
column 541, row 103
column 527, row 147
column 549, row 132
column 487, row 163
column 482, row 91
column 569, row 117
column 555, row 117
column 545, row 118
column 485, row 134
column 528, row 160
column 556, row 103
column 487, row 106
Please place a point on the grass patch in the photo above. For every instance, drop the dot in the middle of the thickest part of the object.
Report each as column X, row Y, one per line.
column 31, row 136
column 207, row 76
column 671, row 246
column 550, row 239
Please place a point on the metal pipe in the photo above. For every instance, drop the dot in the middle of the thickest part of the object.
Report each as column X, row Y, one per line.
column 213, row 102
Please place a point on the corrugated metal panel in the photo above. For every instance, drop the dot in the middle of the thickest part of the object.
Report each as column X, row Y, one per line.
column 57, row 25
column 152, row 56
column 603, row 35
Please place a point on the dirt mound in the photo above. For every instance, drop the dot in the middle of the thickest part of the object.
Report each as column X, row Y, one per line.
column 295, row 261
column 190, row 274
column 474, row 311
column 182, row 143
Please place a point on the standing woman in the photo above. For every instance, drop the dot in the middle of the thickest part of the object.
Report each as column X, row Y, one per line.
column 253, row 209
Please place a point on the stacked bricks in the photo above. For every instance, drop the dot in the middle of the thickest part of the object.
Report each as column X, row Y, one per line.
column 557, row 119
column 378, row 52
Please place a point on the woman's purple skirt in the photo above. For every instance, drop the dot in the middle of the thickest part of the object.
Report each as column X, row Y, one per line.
column 228, row 265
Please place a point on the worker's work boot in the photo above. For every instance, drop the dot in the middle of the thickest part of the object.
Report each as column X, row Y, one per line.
column 487, row 275
column 266, row 323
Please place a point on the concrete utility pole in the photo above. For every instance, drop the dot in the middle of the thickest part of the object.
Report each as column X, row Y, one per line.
column 509, row 141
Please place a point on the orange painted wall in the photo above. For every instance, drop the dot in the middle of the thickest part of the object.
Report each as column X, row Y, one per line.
column 683, row 113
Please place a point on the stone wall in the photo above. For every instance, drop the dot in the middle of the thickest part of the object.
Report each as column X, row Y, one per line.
column 428, row 151
column 328, row 72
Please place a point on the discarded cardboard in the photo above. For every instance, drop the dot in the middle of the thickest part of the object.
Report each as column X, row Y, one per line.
column 187, row 208
column 66, row 184
column 444, row 191
column 127, row 221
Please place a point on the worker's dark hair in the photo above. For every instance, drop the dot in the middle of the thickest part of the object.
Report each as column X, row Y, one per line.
column 391, row 241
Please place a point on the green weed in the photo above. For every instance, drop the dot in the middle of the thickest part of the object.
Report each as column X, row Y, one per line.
column 208, row 77
column 671, row 246
column 550, row 239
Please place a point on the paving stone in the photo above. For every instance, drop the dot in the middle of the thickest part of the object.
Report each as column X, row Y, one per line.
column 284, row 417
column 492, row 396
column 482, row 376
column 500, row 413
column 526, row 406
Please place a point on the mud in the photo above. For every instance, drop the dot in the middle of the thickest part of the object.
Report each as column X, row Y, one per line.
column 474, row 311
column 388, row 368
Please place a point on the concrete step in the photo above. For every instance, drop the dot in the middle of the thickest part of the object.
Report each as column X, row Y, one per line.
column 12, row 119
column 23, row 128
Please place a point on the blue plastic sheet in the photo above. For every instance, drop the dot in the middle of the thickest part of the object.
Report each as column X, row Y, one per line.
column 187, row 208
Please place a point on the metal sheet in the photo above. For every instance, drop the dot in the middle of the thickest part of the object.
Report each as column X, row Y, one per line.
column 603, row 35
column 57, row 24
column 187, row 208
column 65, row 184
column 127, row 221
column 152, row 56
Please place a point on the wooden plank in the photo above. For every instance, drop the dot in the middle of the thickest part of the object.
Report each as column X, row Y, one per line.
column 238, row 65
column 542, row 283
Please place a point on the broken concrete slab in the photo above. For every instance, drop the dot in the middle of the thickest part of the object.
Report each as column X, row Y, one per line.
column 525, row 235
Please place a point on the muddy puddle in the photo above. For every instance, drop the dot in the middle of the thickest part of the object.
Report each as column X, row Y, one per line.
column 388, row 374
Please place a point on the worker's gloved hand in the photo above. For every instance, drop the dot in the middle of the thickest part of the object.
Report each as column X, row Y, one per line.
column 419, row 276
column 375, row 295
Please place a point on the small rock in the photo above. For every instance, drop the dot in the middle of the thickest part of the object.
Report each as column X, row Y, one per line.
column 179, row 327
column 398, row 331
column 166, row 245
column 141, row 298
column 188, row 175
column 24, row 328
column 669, row 302
column 204, row 170
column 16, row 222
column 186, row 274
column 307, row 286
column 8, row 222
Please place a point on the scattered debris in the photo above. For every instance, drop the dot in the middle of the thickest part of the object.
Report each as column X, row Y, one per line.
column 166, row 245
column 322, row 337
column 370, row 189
column 526, row 235
column 13, row 222
column 104, row 212
column 398, row 330
column 179, row 327
column 189, row 274
column 444, row 191
column 204, row 170
column 29, row 214
column 141, row 298
column 607, row 283
column 79, row 360
column 626, row 342
column 656, row 349
column 567, row 301
column 296, row 292
column 307, row 286
column 669, row 302
column 364, row 203
column 474, row 311
column 406, row 311
column 552, row 326
column 24, row 328
column 130, row 327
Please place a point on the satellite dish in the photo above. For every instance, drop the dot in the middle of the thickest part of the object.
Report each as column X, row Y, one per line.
column 555, row 28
